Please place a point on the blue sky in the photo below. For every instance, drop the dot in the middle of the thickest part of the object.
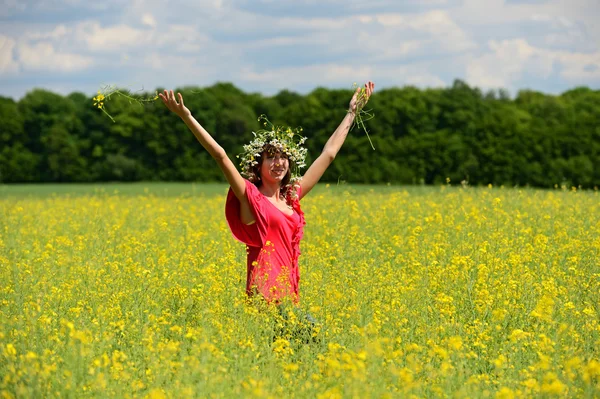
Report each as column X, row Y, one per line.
column 270, row 45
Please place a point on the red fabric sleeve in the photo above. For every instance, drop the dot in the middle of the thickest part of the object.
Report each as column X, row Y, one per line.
column 255, row 234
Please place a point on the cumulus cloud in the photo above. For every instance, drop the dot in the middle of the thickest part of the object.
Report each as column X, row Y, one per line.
column 182, row 39
column 8, row 64
column 424, row 79
column 378, row 37
column 172, row 63
column 434, row 32
column 504, row 64
column 268, row 45
column 58, row 32
column 148, row 20
column 509, row 60
column 290, row 76
column 116, row 37
column 95, row 39
column 43, row 56
column 441, row 26
column 579, row 68
column 338, row 75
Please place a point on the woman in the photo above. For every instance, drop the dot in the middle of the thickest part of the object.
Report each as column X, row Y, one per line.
column 264, row 211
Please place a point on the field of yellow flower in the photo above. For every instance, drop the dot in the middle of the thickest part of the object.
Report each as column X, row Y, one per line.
column 419, row 292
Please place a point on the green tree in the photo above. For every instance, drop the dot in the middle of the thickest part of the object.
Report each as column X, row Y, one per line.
column 421, row 136
column 17, row 162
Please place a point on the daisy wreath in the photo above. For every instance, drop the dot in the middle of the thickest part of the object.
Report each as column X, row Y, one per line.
column 283, row 139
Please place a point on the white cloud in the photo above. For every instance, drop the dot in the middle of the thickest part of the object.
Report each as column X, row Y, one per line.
column 509, row 60
column 8, row 65
column 339, row 75
column 481, row 13
column 568, row 15
column 491, row 43
column 43, row 56
column 181, row 39
column 579, row 68
column 379, row 37
column 171, row 63
column 424, row 79
column 148, row 20
column 123, row 38
column 58, row 32
column 441, row 26
column 117, row 37
column 45, row 6
column 506, row 64
column 559, row 32
column 290, row 76
column 431, row 35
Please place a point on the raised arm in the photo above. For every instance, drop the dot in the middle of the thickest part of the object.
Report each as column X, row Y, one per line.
column 236, row 181
column 333, row 145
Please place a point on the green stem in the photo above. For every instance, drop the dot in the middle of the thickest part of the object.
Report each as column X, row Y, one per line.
column 111, row 118
column 360, row 122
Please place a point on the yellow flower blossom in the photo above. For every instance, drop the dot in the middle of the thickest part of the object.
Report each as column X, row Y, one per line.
column 415, row 292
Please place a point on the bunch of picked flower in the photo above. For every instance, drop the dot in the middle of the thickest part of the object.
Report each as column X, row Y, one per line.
column 362, row 114
column 106, row 92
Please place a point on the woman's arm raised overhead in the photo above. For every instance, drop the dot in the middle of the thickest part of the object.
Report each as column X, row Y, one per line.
column 333, row 145
column 236, row 181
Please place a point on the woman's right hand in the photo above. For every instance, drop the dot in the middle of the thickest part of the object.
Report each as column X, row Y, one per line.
column 168, row 98
column 359, row 100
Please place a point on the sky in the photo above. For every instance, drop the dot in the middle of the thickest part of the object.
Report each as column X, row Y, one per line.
column 270, row 45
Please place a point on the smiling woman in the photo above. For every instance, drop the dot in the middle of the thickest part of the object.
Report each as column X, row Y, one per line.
column 269, row 142
column 263, row 210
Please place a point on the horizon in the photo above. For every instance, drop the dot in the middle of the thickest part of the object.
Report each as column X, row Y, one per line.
column 144, row 91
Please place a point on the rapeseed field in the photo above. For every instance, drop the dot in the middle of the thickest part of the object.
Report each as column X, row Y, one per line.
column 434, row 292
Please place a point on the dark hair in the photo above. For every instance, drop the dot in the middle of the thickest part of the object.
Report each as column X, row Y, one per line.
column 255, row 172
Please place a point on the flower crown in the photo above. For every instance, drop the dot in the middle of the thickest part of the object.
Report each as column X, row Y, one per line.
column 283, row 139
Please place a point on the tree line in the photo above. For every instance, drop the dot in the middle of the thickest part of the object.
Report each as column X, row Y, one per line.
column 421, row 136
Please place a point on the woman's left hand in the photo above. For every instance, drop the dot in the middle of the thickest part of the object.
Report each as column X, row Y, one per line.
column 361, row 97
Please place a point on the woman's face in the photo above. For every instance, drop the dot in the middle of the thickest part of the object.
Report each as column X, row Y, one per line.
column 274, row 167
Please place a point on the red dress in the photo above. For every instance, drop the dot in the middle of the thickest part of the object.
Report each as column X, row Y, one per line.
column 272, row 244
